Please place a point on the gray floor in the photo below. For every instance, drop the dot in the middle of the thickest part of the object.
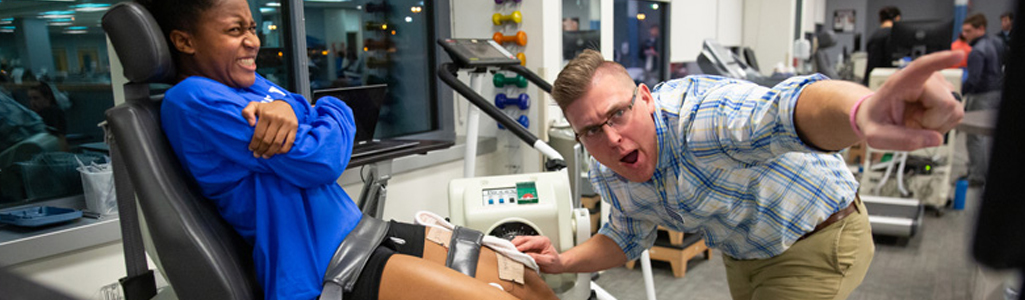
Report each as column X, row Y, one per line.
column 935, row 264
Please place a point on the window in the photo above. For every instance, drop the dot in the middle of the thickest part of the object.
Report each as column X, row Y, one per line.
column 581, row 27
column 640, row 39
column 360, row 43
column 272, row 61
column 348, row 43
column 54, row 89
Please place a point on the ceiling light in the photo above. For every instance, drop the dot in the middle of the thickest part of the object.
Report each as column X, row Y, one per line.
column 76, row 31
column 56, row 16
column 91, row 7
column 56, row 12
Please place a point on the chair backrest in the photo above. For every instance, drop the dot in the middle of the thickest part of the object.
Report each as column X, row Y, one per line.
column 201, row 255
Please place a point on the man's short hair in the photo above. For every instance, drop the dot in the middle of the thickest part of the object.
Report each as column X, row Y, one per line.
column 888, row 13
column 575, row 79
column 1009, row 15
column 976, row 20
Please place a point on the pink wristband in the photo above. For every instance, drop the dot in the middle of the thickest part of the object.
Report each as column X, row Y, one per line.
column 854, row 112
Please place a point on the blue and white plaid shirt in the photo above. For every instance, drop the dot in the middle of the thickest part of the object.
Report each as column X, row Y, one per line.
column 730, row 165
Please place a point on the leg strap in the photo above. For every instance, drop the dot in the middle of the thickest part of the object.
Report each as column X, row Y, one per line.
column 351, row 256
column 464, row 250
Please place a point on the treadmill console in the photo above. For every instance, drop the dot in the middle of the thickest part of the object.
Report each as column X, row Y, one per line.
column 478, row 53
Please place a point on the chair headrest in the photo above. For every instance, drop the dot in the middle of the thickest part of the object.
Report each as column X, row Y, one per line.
column 139, row 43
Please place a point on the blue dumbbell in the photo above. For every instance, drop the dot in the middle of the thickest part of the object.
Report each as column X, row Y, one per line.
column 523, row 101
column 523, row 120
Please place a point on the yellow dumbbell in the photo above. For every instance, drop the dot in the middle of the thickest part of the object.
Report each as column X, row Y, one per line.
column 522, row 57
column 515, row 17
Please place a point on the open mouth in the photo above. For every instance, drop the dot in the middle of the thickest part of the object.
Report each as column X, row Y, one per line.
column 247, row 62
column 630, row 158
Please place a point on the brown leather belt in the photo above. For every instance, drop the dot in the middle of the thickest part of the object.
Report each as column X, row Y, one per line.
column 835, row 217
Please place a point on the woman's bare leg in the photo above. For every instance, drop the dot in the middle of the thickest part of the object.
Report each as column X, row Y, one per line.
column 408, row 277
column 487, row 271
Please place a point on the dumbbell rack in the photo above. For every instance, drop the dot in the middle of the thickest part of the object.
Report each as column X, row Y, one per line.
column 507, row 17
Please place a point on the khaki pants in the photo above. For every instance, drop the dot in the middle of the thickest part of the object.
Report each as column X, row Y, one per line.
column 826, row 265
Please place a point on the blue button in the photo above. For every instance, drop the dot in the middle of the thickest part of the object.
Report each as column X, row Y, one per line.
column 500, row 200
column 491, row 201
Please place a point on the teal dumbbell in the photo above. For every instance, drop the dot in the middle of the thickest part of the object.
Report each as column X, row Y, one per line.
column 500, row 80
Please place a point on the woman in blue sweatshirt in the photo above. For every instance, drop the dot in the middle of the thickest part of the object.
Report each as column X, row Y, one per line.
column 269, row 161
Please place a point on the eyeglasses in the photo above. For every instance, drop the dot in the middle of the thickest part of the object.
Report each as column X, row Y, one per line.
column 616, row 120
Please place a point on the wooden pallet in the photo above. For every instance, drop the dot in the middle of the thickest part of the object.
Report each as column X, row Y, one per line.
column 676, row 248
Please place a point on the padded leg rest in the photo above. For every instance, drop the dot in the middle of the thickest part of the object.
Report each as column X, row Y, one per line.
column 464, row 250
column 351, row 256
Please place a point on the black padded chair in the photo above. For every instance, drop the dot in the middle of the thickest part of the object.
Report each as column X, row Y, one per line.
column 200, row 254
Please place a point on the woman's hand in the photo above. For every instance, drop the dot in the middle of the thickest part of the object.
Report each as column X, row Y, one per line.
column 276, row 125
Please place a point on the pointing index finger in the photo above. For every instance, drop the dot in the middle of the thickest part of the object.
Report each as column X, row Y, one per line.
column 916, row 73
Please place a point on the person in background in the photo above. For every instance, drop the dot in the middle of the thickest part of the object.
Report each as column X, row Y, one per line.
column 650, row 55
column 44, row 102
column 961, row 44
column 1006, row 24
column 570, row 24
column 879, row 55
column 981, row 90
column 17, row 122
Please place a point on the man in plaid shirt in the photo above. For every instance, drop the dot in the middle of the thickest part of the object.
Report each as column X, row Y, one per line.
column 752, row 168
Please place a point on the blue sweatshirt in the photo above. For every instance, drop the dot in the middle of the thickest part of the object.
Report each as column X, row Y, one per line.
column 289, row 207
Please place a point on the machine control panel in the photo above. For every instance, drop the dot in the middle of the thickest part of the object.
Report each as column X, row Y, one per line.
column 499, row 196
column 522, row 193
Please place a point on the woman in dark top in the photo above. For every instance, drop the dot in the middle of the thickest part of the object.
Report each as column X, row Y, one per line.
column 44, row 103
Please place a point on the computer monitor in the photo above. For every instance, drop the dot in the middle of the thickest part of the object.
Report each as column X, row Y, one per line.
column 917, row 38
column 574, row 42
column 365, row 102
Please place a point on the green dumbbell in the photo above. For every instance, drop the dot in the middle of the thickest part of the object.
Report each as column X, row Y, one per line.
column 500, row 80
